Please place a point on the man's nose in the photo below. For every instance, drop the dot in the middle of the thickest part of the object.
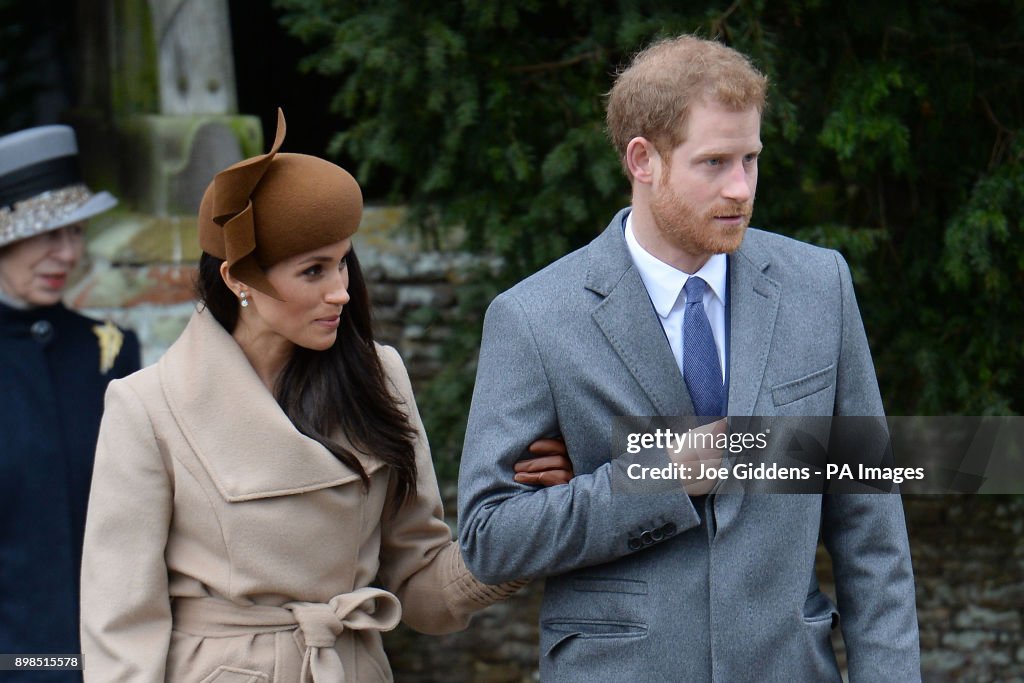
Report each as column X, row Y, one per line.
column 738, row 186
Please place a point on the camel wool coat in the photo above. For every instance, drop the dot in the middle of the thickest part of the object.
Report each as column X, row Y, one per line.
column 223, row 546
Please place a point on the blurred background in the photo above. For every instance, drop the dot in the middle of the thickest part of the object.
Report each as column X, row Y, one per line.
column 894, row 133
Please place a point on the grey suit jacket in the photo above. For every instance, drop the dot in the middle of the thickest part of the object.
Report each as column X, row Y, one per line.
column 656, row 586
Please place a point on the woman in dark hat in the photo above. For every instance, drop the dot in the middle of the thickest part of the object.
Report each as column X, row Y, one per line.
column 264, row 502
column 54, row 368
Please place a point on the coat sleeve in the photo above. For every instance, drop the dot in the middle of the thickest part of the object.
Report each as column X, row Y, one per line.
column 866, row 534
column 126, row 615
column 419, row 561
column 511, row 530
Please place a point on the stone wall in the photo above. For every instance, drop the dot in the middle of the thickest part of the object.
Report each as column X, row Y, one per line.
column 968, row 551
column 969, row 563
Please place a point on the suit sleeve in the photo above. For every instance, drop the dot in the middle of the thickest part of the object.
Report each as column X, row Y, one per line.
column 511, row 530
column 126, row 614
column 419, row 561
column 866, row 534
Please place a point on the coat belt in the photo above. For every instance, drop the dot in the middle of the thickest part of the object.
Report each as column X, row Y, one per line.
column 364, row 609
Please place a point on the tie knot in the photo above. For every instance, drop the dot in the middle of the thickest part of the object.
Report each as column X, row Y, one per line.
column 694, row 289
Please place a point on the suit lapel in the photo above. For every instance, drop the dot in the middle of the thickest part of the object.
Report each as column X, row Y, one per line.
column 753, row 308
column 754, row 305
column 630, row 323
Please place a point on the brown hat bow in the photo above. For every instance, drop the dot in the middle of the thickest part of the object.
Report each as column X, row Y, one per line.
column 271, row 207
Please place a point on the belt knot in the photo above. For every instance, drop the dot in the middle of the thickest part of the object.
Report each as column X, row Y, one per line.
column 321, row 624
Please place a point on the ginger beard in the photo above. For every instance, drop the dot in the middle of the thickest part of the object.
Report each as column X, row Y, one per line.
column 694, row 231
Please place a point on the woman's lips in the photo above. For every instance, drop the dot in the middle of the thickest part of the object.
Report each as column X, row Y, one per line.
column 331, row 322
column 55, row 280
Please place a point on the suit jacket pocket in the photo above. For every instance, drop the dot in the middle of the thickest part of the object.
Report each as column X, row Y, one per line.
column 596, row 584
column 819, row 610
column 555, row 632
column 797, row 389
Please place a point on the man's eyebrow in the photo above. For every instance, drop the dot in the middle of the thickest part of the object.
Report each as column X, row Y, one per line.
column 714, row 152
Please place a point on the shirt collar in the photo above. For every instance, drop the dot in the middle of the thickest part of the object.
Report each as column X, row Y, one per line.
column 664, row 283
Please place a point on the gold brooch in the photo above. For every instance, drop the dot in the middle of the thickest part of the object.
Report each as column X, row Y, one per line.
column 111, row 339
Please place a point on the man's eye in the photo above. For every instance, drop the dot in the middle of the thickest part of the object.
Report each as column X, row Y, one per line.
column 750, row 158
column 713, row 162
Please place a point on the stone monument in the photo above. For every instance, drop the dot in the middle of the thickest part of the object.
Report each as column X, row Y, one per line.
column 157, row 117
column 158, row 103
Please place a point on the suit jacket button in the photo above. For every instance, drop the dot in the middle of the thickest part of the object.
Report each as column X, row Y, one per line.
column 635, row 544
column 669, row 529
column 647, row 538
column 658, row 534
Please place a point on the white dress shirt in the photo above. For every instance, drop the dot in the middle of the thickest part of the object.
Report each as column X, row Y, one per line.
column 665, row 284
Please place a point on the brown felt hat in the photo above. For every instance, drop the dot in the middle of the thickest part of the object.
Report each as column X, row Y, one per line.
column 266, row 209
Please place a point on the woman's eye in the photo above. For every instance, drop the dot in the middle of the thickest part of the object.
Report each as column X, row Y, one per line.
column 313, row 271
column 343, row 264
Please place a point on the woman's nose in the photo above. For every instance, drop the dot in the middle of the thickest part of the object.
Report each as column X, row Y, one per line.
column 338, row 293
column 68, row 244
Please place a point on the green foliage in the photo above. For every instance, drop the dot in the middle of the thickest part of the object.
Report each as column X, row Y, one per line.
column 485, row 115
column 893, row 134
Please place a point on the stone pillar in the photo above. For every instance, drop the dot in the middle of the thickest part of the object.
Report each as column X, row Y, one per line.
column 158, row 109
column 156, row 119
column 197, row 72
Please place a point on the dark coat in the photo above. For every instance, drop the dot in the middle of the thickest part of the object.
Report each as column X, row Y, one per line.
column 51, row 401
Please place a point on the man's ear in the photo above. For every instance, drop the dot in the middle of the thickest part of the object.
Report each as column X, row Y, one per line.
column 642, row 160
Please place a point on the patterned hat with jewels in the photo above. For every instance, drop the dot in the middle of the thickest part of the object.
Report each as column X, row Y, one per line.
column 41, row 188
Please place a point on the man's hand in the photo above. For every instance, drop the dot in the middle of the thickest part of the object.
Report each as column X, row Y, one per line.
column 697, row 460
column 550, row 467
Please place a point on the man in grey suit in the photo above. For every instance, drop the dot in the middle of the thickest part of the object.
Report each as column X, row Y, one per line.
column 675, row 305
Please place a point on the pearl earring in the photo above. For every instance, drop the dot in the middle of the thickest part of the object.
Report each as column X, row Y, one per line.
column 245, row 301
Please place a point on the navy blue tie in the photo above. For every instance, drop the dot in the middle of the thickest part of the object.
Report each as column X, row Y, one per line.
column 701, row 369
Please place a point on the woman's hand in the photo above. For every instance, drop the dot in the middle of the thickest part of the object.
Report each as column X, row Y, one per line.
column 550, row 465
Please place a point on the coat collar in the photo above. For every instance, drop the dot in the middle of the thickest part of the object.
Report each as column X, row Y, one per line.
column 15, row 315
column 237, row 430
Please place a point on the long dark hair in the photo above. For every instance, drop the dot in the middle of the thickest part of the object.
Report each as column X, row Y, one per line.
column 343, row 388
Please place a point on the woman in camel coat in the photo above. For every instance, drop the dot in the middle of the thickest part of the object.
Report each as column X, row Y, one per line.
column 264, row 503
